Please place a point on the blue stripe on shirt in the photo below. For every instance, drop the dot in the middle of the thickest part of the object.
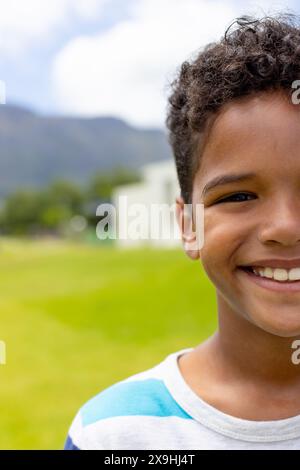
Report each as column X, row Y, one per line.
column 140, row 397
column 69, row 444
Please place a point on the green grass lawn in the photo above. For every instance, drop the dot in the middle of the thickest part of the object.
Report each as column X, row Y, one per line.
column 77, row 318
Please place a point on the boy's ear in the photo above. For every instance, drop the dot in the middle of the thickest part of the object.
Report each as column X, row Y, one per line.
column 187, row 229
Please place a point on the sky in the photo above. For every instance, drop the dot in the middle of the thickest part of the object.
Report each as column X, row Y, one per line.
column 108, row 57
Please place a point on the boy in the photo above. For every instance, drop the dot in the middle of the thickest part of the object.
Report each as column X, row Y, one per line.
column 235, row 132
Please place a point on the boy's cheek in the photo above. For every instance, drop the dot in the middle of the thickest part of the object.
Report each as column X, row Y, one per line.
column 224, row 236
column 226, row 243
column 221, row 240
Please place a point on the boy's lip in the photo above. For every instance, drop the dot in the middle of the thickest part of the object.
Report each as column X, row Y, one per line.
column 274, row 263
column 271, row 284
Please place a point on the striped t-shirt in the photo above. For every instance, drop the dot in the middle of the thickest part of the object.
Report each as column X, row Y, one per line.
column 156, row 409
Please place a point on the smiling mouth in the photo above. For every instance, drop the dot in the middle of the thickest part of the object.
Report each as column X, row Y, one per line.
column 287, row 286
column 250, row 270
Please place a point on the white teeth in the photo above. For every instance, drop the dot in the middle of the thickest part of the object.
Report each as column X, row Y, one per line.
column 294, row 274
column 279, row 274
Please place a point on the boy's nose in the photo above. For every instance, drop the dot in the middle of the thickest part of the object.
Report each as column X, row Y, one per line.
column 281, row 224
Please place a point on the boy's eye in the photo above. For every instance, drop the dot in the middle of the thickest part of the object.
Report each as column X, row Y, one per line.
column 238, row 196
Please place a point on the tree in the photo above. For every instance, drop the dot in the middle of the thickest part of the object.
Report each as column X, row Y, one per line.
column 102, row 184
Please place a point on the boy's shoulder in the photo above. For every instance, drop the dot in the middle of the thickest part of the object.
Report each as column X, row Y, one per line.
column 143, row 394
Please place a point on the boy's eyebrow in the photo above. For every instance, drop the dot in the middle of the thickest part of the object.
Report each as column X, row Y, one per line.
column 225, row 179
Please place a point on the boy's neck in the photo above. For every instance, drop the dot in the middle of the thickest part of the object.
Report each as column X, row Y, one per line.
column 244, row 371
column 252, row 352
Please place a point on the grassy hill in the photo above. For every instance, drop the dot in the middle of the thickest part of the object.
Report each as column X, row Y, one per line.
column 77, row 318
column 37, row 149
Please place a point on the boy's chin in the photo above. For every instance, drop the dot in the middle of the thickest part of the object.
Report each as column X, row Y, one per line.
column 285, row 326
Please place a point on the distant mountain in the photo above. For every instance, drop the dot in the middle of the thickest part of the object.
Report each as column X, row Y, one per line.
column 36, row 149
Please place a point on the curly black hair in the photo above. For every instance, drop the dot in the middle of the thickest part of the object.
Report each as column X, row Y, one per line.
column 254, row 55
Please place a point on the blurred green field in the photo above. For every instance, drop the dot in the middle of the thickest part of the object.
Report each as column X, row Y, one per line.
column 77, row 318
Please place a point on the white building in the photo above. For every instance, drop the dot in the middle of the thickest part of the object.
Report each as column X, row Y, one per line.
column 145, row 211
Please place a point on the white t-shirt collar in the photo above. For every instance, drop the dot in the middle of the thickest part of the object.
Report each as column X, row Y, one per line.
column 207, row 415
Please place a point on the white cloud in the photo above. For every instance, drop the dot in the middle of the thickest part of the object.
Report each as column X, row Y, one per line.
column 124, row 72
column 24, row 22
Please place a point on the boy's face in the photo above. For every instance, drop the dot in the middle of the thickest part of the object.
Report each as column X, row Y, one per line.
column 258, row 135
